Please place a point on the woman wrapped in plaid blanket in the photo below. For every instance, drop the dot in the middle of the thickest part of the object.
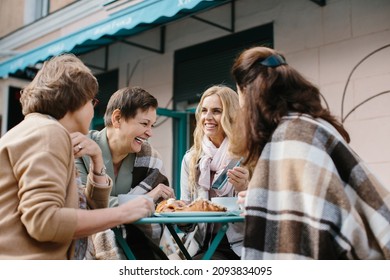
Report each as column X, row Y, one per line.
column 136, row 168
column 310, row 196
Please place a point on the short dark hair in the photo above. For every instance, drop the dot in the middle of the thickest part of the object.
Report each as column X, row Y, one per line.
column 64, row 84
column 128, row 100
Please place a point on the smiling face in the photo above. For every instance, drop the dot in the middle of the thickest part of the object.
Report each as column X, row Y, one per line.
column 130, row 134
column 210, row 119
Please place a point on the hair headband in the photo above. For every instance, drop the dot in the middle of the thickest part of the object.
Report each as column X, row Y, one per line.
column 274, row 60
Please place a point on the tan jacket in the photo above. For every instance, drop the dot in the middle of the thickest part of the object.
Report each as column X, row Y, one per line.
column 38, row 191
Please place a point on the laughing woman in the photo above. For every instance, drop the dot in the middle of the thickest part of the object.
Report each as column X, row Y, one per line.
column 136, row 168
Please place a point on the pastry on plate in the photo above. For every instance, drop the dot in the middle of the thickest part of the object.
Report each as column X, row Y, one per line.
column 170, row 205
column 199, row 205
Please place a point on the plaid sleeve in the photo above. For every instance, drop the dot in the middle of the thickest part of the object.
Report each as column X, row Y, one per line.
column 148, row 170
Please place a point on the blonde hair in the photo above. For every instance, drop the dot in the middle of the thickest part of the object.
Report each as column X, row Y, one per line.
column 230, row 105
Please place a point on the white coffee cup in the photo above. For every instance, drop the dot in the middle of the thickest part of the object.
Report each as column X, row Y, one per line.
column 229, row 202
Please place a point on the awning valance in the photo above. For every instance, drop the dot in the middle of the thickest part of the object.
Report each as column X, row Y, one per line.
column 146, row 15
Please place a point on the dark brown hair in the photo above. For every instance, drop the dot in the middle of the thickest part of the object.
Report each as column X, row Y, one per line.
column 128, row 100
column 269, row 93
column 64, row 84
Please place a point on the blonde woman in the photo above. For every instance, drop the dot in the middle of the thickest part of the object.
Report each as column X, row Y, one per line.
column 204, row 162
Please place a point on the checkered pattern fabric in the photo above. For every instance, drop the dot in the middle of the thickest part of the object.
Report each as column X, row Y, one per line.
column 312, row 197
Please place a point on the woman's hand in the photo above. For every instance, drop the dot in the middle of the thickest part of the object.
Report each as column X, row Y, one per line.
column 241, row 200
column 136, row 209
column 161, row 191
column 239, row 178
column 83, row 145
column 92, row 221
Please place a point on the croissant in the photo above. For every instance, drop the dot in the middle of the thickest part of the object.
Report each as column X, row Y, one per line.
column 204, row 206
column 170, row 205
column 199, row 205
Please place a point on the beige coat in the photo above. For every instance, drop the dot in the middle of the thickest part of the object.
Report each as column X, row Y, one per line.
column 38, row 191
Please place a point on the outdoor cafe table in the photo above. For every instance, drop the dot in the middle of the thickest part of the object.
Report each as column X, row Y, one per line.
column 170, row 221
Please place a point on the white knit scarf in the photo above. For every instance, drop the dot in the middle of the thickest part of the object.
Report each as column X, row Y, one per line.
column 213, row 160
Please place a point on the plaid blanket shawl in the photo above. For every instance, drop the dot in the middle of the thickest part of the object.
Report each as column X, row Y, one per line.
column 148, row 171
column 311, row 197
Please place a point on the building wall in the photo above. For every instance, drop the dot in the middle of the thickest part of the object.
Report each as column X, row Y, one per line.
column 10, row 16
column 55, row 5
column 66, row 20
column 324, row 44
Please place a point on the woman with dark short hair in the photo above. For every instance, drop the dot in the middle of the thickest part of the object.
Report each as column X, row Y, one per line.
column 137, row 168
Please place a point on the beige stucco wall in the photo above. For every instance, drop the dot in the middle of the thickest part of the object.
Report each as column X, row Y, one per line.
column 12, row 13
column 10, row 16
column 58, row 4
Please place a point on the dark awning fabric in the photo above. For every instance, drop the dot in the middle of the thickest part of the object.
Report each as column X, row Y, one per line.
column 146, row 15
